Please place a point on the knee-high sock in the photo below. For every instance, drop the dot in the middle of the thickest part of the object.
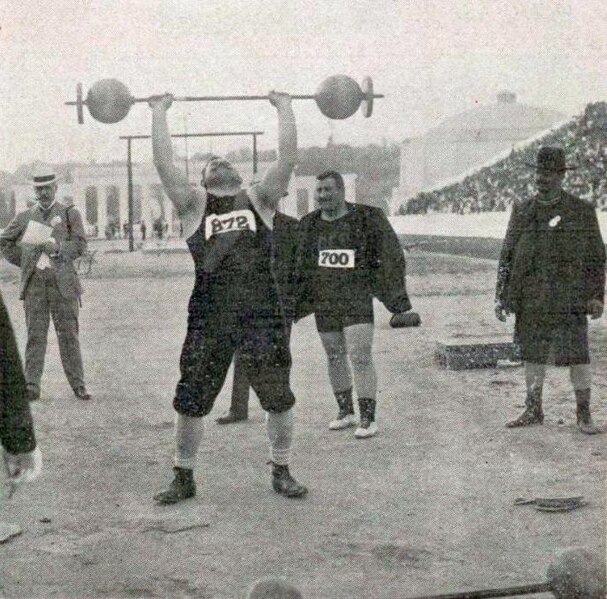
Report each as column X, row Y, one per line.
column 188, row 434
column 359, row 341
column 280, row 433
column 580, row 376
column 534, row 376
column 365, row 378
column 338, row 366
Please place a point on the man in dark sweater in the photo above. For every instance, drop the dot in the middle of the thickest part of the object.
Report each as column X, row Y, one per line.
column 348, row 255
column 551, row 275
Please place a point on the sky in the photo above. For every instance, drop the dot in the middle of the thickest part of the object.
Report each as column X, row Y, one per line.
column 430, row 58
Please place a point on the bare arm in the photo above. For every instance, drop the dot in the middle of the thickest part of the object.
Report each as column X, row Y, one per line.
column 188, row 201
column 276, row 181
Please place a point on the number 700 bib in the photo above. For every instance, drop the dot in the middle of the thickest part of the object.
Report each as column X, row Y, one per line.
column 336, row 258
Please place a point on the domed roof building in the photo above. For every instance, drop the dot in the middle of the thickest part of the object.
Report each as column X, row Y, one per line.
column 467, row 140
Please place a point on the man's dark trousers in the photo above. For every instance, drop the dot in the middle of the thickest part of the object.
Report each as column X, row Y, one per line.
column 42, row 301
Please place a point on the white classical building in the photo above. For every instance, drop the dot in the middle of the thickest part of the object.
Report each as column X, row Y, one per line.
column 100, row 192
column 467, row 140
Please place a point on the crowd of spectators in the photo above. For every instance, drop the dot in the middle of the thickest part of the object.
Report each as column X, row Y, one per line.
column 496, row 187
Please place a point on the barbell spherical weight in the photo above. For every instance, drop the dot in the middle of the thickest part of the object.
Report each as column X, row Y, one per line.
column 338, row 97
column 109, row 100
column 577, row 573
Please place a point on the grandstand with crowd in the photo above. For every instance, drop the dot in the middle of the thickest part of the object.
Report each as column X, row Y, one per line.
column 507, row 178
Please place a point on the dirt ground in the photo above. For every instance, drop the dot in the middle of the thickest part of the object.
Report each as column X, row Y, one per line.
column 425, row 507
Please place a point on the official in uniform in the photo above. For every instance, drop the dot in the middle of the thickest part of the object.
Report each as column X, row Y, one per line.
column 44, row 241
column 551, row 276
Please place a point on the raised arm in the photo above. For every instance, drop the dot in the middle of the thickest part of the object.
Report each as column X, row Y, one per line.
column 189, row 202
column 276, row 180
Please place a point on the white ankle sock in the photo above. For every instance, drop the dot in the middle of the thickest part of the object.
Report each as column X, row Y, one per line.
column 188, row 434
column 280, row 433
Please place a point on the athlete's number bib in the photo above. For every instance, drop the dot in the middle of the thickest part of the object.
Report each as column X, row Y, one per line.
column 336, row 258
column 237, row 220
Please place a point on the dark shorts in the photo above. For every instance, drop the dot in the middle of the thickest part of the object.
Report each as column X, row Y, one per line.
column 562, row 338
column 335, row 317
column 208, row 349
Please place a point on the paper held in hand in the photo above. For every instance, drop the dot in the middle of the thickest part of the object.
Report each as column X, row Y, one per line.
column 36, row 233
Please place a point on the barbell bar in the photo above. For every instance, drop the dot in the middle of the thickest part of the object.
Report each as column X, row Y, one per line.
column 575, row 574
column 338, row 97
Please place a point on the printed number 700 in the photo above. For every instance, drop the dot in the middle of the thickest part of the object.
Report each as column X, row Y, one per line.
column 334, row 258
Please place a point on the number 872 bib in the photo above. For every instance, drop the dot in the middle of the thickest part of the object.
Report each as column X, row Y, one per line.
column 336, row 258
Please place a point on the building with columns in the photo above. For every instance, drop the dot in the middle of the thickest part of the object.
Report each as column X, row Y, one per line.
column 100, row 192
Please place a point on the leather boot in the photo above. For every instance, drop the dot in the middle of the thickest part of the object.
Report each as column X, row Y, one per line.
column 584, row 419
column 368, row 426
column 533, row 411
column 345, row 416
column 284, row 484
column 232, row 416
column 344, row 401
column 182, row 487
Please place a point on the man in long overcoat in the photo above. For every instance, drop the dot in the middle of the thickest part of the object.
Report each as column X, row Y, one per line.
column 551, row 275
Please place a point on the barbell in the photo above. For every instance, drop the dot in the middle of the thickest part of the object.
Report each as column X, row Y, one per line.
column 338, row 97
column 575, row 574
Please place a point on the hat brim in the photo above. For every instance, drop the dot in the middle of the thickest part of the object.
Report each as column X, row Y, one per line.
column 44, row 183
